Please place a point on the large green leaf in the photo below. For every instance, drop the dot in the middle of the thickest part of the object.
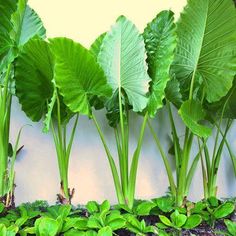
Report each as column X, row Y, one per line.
column 7, row 8
column 26, row 24
column 206, row 47
column 122, row 57
column 78, row 75
column 192, row 114
column 34, row 74
column 18, row 24
column 160, row 41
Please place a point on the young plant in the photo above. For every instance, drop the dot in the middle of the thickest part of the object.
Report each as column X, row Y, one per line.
column 39, row 98
column 161, row 43
column 126, row 73
column 38, row 69
column 121, row 55
column 139, row 227
column 212, row 210
column 202, row 71
column 102, row 217
column 15, row 18
column 179, row 221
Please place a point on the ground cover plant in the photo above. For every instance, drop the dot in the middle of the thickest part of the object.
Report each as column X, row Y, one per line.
column 185, row 67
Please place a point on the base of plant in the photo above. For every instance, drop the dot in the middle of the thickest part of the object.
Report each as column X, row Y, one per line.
column 62, row 199
column 8, row 200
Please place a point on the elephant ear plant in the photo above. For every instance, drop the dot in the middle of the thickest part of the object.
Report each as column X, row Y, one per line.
column 121, row 55
column 43, row 66
column 202, row 71
column 18, row 24
column 204, row 64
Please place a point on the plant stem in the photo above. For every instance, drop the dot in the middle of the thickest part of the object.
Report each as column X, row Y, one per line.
column 5, row 109
column 212, row 188
column 124, row 140
column 165, row 160
column 63, row 149
column 134, row 165
column 115, row 175
column 181, row 185
column 204, row 175
column 178, row 151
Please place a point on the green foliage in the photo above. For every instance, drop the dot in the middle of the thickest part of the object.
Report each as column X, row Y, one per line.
column 19, row 23
column 123, row 72
column 122, row 57
column 192, row 113
column 231, row 227
column 212, row 210
column 165, row 204
column 96, row 46
column 160, row 42
column 34, row 74
column 101, row 219
column 138, row 227
column 179, row 221
column 77, row 75
column 208, row 51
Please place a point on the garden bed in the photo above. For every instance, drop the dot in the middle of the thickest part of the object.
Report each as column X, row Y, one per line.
column 157, row 217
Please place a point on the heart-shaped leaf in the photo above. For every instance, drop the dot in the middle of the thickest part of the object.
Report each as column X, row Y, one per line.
column 122, row 57
column 77, row 75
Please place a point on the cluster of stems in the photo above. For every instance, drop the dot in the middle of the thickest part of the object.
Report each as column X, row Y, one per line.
column 63, row 149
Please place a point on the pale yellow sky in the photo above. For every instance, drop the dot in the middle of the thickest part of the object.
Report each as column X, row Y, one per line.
column 83, row 21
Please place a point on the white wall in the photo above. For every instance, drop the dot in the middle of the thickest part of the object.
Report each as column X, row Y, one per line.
column 37, row 173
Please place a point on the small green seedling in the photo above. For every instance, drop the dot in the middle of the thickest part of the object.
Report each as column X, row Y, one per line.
column 140, row 208
column 139, row 227
column 102, row 219
column 212, row 210
column 179, row 221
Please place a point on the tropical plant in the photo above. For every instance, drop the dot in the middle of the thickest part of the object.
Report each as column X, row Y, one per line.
column 38, row 96
column 18, row 24
column 124, row 48
column 39, row 67
column 159, row 37
column 202, row 72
